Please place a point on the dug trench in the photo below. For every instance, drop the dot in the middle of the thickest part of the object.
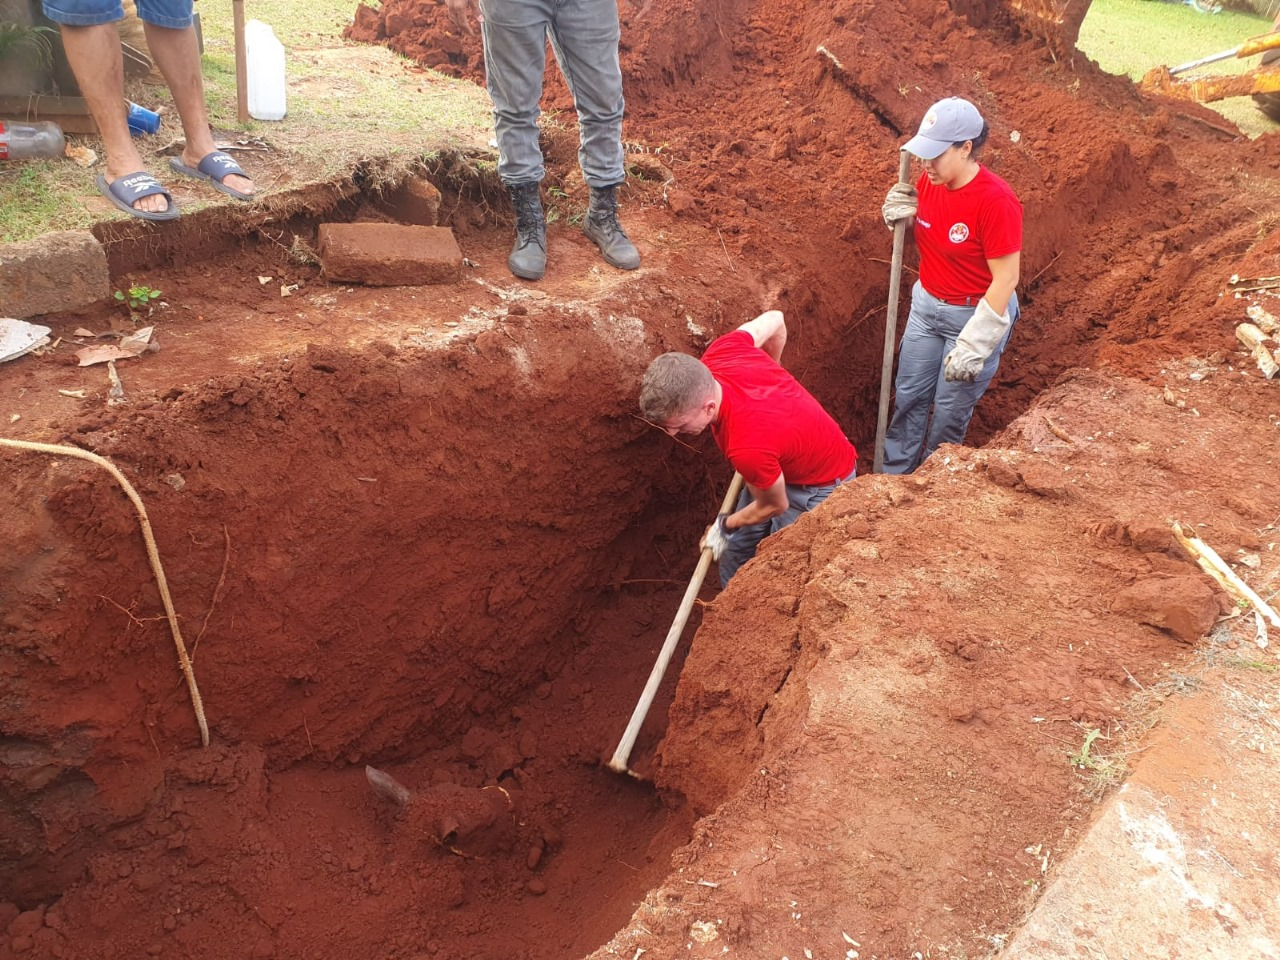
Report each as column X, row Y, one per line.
column 425, row 530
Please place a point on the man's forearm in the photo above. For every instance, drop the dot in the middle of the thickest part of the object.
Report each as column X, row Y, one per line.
column 753, row 513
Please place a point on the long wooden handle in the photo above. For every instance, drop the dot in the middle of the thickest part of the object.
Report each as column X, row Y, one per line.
column 620, row 756
column 891, row 321
column 242, row 67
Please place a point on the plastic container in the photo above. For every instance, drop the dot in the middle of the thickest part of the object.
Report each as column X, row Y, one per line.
column 264, row 58
column 142, row 120
column 29, row 139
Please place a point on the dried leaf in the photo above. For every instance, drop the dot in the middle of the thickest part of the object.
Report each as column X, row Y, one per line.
column 131, row 346
column 102, row 353
column 82, row 332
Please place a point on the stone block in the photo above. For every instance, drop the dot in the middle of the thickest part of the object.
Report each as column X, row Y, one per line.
column 59, row 271
column 389, row 254
column 1186, row 606
column 415, row 201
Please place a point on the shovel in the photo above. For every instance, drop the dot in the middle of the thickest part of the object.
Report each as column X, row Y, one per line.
column 891, row 321
column 618, row 764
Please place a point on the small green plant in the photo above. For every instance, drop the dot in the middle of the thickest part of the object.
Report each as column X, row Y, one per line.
column 139, row 299
column 1099, row 772
column 1081, row 759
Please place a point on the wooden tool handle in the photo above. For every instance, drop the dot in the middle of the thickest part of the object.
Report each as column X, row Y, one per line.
column 618, row 764
column 891, row 321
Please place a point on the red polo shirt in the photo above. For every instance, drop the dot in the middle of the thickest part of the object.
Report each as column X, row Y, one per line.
column 768, row 424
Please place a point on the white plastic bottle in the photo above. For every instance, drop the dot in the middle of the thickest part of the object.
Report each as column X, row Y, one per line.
column 264, row 57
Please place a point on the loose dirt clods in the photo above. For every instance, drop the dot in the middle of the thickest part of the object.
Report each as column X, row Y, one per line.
column 425, row 531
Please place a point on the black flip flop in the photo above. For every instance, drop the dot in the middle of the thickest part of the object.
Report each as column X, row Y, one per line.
column 123, row 191
column 214, row 168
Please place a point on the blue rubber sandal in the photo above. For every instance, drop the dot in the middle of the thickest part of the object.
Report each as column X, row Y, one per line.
column 125, row 191
column 214, row 168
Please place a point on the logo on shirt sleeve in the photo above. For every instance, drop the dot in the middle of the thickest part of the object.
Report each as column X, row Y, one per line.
column 959, row 233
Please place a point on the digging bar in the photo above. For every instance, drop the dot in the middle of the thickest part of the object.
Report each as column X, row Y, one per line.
column 891, row 320
column 620, row 756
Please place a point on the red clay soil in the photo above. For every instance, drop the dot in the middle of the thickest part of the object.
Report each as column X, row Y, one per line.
column 423, row 529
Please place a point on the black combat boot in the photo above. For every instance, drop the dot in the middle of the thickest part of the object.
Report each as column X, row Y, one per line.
column 528, row 258
column 602, row 228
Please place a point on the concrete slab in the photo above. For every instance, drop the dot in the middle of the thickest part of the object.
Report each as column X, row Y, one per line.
column 389, row 254
column 1182, row 861
column 55, row 272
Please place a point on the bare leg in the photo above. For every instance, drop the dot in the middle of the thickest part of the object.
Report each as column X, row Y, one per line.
column 98, row 64
column 178, row 56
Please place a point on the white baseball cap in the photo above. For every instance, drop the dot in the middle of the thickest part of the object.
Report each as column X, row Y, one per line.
column 953, row 120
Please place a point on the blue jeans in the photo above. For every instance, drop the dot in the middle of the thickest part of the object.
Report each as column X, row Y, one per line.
column 746, row 540
column 584, row 36
column 173, row 14
column 927, row 410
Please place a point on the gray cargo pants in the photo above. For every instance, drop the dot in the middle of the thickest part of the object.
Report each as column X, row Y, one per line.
column 920, row 388
column 584, row 36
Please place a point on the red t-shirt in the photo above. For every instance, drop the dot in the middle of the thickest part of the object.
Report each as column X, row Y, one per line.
column 769, row 424
column 958, row 231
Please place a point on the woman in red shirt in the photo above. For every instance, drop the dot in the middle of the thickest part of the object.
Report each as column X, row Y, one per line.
column 968, row 228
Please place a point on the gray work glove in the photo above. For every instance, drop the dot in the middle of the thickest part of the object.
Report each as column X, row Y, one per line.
column 976, row 342
column 718, row 537
column 899, row 204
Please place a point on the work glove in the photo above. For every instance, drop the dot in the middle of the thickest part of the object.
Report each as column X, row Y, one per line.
column 975, row 344
column 718, row 537
column 899, row 204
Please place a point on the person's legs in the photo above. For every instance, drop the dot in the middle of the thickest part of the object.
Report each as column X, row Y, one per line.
column 953, row 403
column 171, row 38
column 92, row 43
column 743, row 545
column 919, row 371
column 515, row 53
column 584, row 36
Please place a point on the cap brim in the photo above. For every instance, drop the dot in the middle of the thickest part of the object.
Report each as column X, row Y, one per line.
column 925, row 148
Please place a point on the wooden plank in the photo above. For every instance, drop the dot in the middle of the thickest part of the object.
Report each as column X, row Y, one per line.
column 70, row 113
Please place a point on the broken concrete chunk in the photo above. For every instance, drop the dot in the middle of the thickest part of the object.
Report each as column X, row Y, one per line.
column 389, row 254
column 66, row 270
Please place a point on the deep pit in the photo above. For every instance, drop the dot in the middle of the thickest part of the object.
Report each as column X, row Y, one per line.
column 424, row 529
column 445, row 558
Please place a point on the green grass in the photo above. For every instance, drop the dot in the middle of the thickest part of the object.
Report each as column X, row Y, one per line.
column 1132, row 36
column 347, row 103
column 34, row 197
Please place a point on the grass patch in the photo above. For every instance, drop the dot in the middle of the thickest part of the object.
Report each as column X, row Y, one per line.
column 347, row 103
column 1130, row 37
column 35, row 195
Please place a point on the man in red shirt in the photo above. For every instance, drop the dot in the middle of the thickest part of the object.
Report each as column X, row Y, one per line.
column 790, row 452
